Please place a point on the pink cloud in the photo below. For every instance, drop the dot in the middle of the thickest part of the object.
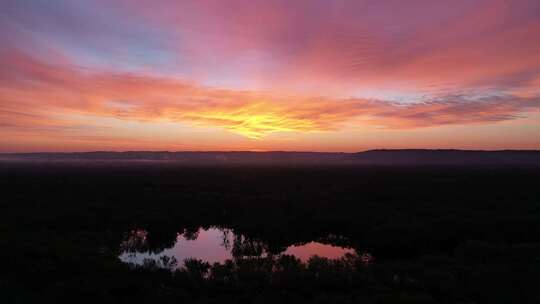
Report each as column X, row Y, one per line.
column 42, row 91
column 417, row 45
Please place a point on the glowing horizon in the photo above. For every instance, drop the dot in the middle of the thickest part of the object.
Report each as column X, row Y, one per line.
column 269, row 75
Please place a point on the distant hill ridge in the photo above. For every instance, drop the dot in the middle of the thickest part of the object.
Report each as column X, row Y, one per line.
column 449, row 156
column 374, row 157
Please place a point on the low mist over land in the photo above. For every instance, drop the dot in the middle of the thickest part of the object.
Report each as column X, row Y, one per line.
column 372, row 157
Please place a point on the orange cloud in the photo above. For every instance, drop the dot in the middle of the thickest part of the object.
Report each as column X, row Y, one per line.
column 41, row 96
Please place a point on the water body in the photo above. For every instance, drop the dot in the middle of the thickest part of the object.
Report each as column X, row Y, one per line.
column 217, row 245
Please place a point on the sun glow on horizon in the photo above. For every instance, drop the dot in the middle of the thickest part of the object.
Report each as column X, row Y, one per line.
column 270, row 75
column 255, row 121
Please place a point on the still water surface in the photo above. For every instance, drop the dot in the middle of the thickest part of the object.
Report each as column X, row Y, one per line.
column 216, row 245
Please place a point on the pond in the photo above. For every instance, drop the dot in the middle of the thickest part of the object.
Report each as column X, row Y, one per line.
column 217, row 245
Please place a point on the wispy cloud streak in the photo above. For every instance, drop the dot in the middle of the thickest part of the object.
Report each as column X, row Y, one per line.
column 37, row 89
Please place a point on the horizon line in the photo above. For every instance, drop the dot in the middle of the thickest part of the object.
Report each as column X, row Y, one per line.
column 275, row 151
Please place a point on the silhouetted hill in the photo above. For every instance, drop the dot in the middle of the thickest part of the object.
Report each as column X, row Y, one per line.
column 448, row 157
column 371, row 157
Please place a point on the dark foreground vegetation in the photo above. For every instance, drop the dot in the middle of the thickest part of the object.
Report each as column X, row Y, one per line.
column 448, row 234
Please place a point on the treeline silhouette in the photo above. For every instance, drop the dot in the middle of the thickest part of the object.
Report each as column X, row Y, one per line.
column 439, row 234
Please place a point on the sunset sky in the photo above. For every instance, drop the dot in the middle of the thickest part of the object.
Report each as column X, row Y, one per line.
column 313, row 75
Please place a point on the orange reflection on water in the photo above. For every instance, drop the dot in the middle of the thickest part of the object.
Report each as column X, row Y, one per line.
column 304, row 252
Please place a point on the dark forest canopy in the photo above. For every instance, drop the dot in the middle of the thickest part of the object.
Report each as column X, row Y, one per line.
column 439, row 234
